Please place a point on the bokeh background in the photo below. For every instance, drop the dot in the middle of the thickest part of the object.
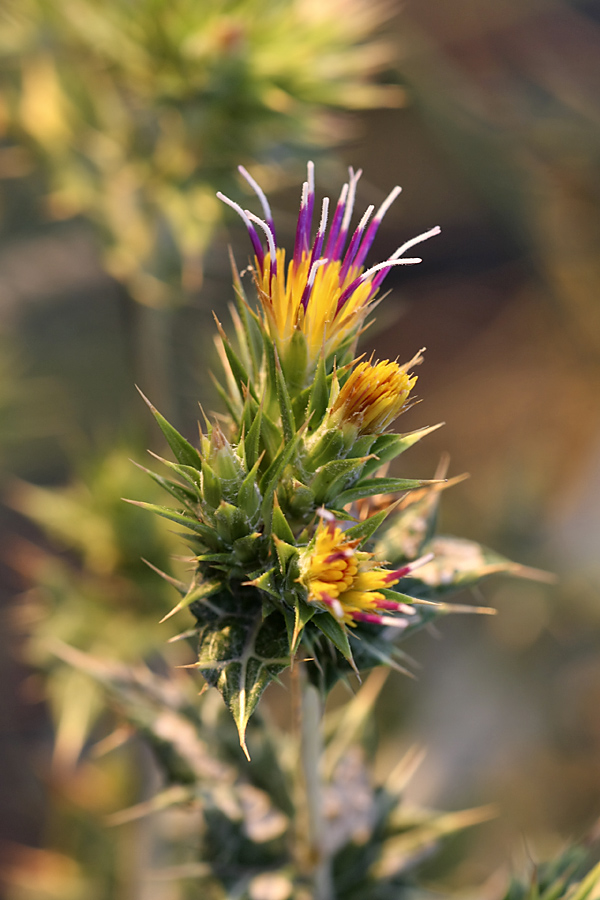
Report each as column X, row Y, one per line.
column 118, row 122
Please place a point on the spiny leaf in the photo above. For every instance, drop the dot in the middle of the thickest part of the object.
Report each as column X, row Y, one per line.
column 279, row 523
column 231, row 407
column 248, row 317
column 188, row 473
column 231, row 522
column 409, row 844
column 214, row 557
column 364, row 530
column 211, row 486
column 268, row 583
column 197, row 592
column 303, row 613
column 585, row 888
column 173, row 515
column 238, row 371
column 285, row 552
column 335, row 632
column 178, row 585
column 240, row 654
column 182, row 449
column 329, row 447
column 252, row 439
column 288, row 423
column 319, row 395
column 459, row 563
column 247, row 417
column 248, row 549
column 271, row 477
column 271, row 436
column 372, row 649
column 249, row 498
column 271, row 379
column 333, row 476
column 378, row 486
column 361, row 447
column 299, row 404
column 180, row 492
column 389, row 446
column 160, row 707
column 438, row 607
column 410, row 530
column 242, row 341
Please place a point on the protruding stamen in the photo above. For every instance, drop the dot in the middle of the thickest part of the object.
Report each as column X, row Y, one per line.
column 341, row 240
column 335, row 605
column 354, row 179
column 387, row 265
column 337, row 555
column 270, row 240
column 372, row 229
column 311, row 280
column 310, row 170
column 337, row 223
column 397, row 253
column 318, row 244
column 299, row 243
column 256, row 244
column 261, row 196
column 416, row 240
column 325, row 514
column 380, row 620
column 354, row 244
column 397, row 607
column 417, row 563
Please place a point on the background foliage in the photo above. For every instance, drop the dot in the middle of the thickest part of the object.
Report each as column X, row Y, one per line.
column 499, row 142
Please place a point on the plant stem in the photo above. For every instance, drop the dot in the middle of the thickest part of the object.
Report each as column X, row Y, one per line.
column 311, row 749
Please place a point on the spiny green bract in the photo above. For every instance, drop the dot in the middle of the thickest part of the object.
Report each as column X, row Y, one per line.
column 250, row 498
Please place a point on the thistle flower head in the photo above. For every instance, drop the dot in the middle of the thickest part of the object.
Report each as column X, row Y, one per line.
column 325, row 293
column 374, row 395
column 347, row 582
column 306, row 432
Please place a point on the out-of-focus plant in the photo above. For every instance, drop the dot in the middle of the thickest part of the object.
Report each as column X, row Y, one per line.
column 29, row 409
column 307, row 553
column 563, row 878
column 90, row 588
column 139, row 111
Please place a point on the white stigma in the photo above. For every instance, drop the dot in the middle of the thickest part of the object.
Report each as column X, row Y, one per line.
column 259, row 192
column 416, row 240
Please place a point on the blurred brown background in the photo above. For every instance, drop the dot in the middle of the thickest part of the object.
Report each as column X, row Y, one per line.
column 498, row 141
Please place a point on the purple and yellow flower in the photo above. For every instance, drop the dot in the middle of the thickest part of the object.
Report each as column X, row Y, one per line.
column 348, row 583
column 325, row 292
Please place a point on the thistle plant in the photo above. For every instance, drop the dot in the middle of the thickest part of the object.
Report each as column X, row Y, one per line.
column 306, row 551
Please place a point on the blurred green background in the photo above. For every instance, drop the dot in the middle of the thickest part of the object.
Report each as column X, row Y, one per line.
column 118, row 122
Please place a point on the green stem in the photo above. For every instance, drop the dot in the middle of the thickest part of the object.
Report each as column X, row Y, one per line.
column 311, row 751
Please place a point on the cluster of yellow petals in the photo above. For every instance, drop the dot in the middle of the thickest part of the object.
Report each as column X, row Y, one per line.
column 341, row 579
column 374, row 395
column 323, row 325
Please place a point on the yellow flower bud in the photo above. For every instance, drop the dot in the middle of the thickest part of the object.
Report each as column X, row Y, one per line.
column 346, row 581
column 374, row 395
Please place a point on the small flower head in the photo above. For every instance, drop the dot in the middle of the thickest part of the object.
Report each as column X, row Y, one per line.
column 326, row 293
column 347, row 582
column 374, row 395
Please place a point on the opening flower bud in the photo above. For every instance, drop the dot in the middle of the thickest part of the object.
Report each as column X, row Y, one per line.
column 346, row 581
column 374, row 395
